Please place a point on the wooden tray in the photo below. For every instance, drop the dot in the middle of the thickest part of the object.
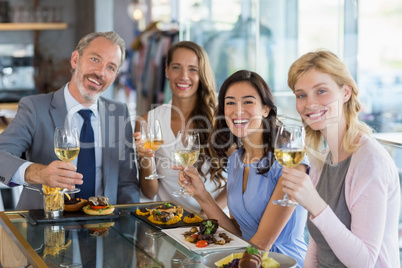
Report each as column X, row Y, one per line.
column 38, row 216
column 165, row 226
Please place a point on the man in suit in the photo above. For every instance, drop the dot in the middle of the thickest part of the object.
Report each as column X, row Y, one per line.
column 95, row 65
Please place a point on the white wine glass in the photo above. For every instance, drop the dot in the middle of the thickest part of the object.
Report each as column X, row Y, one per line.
column 289, row 152
column 67, row 147
column 152, row 135
column 187, row 150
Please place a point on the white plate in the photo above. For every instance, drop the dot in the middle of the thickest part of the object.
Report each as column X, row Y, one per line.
column 285, row 261
column 177, row 234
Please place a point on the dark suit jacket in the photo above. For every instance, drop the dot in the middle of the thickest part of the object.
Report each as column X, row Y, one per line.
column 32, row 130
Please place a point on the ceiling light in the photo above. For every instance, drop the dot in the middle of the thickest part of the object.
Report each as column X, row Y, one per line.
column 136, row 11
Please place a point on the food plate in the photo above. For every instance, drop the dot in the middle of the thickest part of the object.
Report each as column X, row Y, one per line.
column 177, row 234
column 38, row 216
column 165, row 226
column 285, row 261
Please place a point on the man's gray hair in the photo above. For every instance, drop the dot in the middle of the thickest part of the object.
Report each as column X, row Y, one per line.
column 111, row 36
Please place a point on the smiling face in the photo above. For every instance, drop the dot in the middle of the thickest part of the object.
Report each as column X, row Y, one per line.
column 319, row 99
column 94, row 70
column 244, row 109
column 183, row 73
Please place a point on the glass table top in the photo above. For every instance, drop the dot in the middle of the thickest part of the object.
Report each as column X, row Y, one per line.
column 126, row 241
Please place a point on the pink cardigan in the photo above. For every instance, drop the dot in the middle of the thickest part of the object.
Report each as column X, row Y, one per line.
column 372, row 195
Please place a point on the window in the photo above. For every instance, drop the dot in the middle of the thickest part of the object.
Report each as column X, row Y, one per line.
column 380, row 63
column 365, row 36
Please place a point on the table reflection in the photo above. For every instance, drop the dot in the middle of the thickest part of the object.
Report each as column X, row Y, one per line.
column 125, row 241
column 91, row 245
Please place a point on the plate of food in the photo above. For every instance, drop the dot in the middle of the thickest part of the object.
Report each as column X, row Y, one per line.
column 208, row 236
column 167, row 215
column 243, row 258
column 96, row 207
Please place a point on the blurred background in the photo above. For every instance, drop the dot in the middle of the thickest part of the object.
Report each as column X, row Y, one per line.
column 37, row 38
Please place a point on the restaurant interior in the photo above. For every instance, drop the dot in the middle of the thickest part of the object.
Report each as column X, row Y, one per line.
column 37, row 38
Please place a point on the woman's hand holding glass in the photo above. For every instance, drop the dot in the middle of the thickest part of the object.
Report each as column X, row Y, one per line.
column 187, row 150
column 190, row 180
column 151, row 139
column 139, row 145
column 299, row 186
column 289, row 152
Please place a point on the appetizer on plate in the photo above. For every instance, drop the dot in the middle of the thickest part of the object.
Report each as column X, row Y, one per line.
column 165, row 213
column 142, row 211
column 192, row 218
column 250, row 258
column 74, row 204
column 205, row 235
column 98, row 205
column 168, row 215
column 167, row 207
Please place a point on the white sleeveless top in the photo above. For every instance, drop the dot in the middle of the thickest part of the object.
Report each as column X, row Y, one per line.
column 164, row 159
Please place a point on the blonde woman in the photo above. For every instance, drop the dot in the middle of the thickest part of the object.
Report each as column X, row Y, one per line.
column 352, row 193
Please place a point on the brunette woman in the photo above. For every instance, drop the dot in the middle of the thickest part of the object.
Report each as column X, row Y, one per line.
column 246, row 118
column 192, row 84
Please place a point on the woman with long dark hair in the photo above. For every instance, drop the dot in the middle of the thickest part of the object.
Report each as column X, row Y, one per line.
column 246, row 118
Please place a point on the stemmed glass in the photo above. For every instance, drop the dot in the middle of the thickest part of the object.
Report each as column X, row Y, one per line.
column 67, row 147
column 187, row 150
column 153, row 140
column 289, row 152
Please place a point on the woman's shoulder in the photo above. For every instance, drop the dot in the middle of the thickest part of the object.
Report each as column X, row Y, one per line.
column 161, row 112
column 372, row 160
column 370, row 150
column 161, row 109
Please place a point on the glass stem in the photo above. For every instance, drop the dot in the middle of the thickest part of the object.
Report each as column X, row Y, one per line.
column 285, row 196
column 182, row 189
column 153, row 165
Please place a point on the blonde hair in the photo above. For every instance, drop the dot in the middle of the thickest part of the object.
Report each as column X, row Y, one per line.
column 327, row 62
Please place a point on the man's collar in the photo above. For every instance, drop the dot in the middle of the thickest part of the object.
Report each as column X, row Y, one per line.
column 74, row 106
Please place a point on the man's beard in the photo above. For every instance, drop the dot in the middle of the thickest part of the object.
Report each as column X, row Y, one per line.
column 87, row 95
column 79, row 81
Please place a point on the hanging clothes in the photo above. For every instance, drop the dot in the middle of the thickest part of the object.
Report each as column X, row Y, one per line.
column 148, row 65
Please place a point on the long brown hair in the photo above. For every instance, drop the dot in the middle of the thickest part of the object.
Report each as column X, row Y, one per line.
column 222, row 138
column 203, row 113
